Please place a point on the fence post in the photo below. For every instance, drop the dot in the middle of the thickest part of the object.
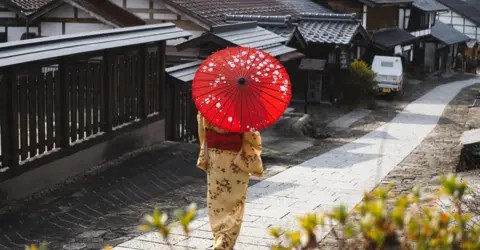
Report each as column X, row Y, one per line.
column 9, row 119
column 64, row 97
column 143, row 51
column 108, row 90
column 162, row 46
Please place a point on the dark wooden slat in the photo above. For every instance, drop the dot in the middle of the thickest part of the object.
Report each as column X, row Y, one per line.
column 41, row 113
column 88, row 99
column 177, row 113
column 96, row 87
column 151, row 82
column 122, row 91
column 128, row 89
column 107, row 92
column 13, row 118
column 62, row 117
column 50, row 108
column 32, row 119
column 4, row 124
column 81, row 100
column 73, row 76
column 143, row 82
column 23, row 110
column 162, row 63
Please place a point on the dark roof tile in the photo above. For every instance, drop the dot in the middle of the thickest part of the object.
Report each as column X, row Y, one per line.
column 448, row 34
column 389, row 38
column 306, row 6
column 212, row 12
column 429, row 5
column 328, row 28
column 29, row 7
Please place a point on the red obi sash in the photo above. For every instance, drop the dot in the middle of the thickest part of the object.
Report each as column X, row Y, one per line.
column 227, row 141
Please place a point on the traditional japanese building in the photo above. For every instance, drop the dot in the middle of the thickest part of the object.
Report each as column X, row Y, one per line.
column 464, row 17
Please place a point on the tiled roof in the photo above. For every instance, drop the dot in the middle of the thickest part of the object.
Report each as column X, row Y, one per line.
column 448, row 34
column 281, row 25
column 463, row 8
column 384, row 2
column 212, row 12
column 306, row 6
column 29, row 7
column 314, row 27
column 247, row 34
column 429, row 5
column 108, row 12
column 328, row 28
column 253, row 36
column 389, row 38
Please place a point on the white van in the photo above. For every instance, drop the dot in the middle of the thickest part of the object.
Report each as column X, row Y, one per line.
column 389, row 70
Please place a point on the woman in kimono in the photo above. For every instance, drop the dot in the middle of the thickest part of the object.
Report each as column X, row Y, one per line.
column 228, row 159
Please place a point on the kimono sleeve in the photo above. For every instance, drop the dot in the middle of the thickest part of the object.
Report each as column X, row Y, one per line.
column 202, row 161
column 250, row 159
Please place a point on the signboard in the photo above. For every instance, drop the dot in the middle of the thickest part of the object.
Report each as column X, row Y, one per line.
column 312, row 64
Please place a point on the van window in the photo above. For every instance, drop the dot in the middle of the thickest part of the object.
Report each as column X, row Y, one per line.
column 387, row 64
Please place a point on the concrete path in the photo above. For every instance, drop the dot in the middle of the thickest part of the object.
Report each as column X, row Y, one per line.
column 347, row 120
column 334, row 178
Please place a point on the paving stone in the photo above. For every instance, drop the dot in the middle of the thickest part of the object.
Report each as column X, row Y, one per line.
column 145, row 245
column 254, row 232
column 269, row 212
column 198, row 243
column 157, row 238
column 75, row 246
column 243, row 246
column 259, row 241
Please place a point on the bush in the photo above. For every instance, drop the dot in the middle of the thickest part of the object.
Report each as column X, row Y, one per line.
column 360, row 85
column 408, row 223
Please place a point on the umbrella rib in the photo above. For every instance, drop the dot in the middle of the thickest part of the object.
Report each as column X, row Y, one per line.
column 225, row 90
column 256, row 112
column 218, row 111
column 232, row 74
column 234, row 109
column 233, row 60
column 226, row 111
column 261, row 85
column 263, row 106
column 249, row 68
column 259, row 89
column 264, row 58
column 246, row 58
column 260, row 96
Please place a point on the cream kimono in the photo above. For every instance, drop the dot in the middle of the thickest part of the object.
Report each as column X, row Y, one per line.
column 228, row 174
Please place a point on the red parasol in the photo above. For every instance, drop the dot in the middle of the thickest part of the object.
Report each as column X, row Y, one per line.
column 241, row 89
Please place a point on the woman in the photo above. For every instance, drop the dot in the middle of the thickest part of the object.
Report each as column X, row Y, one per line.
column 228, row 159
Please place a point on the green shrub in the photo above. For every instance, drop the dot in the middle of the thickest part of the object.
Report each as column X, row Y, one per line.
column 360, row 85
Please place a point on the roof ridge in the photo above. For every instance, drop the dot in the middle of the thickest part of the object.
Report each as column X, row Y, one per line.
column 284, row 20
column 310, row 16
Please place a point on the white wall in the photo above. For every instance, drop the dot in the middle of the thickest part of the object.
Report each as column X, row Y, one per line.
column 460, row 23
column 15, row 33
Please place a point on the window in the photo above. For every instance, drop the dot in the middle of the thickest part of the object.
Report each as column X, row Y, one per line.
column 386, row 64
column 425, row 20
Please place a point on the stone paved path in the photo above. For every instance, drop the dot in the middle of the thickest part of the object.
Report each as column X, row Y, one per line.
column 333, row 178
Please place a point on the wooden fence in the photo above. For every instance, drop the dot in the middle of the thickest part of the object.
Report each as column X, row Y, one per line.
column 181, row 113
column 57, row 104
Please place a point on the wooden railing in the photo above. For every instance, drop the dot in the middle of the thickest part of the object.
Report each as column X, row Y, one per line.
column 83, row 98
column 181, row 112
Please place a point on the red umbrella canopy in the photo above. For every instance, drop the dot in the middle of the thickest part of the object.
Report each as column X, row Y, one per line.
column 241, row 89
